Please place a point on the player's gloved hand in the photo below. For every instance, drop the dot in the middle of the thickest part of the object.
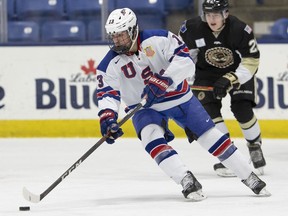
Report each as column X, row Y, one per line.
column 156, row 89
column 224, row 84
column 109, row 125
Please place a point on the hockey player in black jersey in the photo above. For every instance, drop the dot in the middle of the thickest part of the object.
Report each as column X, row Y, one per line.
column 227, row 58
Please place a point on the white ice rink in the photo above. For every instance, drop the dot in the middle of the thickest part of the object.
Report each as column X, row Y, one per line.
column 121, row 179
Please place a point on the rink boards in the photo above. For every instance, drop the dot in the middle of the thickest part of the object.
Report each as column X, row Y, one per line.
column 91, row 128
column 51, row 92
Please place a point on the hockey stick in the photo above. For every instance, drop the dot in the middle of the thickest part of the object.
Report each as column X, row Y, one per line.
column 37, row 198
column 202, row 88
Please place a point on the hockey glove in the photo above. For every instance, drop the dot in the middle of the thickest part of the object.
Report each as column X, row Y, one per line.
column 224, row 84
column 109, row 125
column 155, row 89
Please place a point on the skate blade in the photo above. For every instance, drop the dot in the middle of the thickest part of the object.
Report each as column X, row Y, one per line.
column 196, row 196
column 264, row 193
column 224, row 172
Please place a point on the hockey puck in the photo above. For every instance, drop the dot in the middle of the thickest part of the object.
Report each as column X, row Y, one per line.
column 24, row 208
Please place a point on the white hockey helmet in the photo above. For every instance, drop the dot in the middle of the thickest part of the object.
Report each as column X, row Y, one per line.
column 121, row 20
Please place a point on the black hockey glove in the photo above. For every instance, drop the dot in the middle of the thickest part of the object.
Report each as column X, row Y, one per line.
column 156, row 89
column 224, row 84
column 109, row 125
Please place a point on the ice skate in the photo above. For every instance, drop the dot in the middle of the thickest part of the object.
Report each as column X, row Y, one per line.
column 256, row 185
column 192, row 189
column 223, row 171
column 257, row 156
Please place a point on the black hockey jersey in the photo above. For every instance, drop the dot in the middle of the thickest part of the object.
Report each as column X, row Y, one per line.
column 224, row 53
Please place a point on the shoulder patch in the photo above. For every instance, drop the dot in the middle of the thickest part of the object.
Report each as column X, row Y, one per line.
column 149, row 51
column 183, row 27
column 200, row 42
column 248, row 29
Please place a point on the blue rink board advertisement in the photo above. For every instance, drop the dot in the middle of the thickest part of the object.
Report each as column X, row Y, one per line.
column 59, row 83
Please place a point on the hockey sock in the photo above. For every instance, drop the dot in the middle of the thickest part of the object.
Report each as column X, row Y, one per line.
column 163, row 154
column 251, row 130
column 220, row 146
column 238, row 164
column 222, row 127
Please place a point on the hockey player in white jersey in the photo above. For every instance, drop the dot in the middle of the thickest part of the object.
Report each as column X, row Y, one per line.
column 154, row 64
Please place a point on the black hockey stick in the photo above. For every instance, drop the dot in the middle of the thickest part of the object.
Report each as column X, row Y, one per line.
column 37, row 198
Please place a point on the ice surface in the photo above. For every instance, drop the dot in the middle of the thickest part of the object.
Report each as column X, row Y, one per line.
column 122, row 179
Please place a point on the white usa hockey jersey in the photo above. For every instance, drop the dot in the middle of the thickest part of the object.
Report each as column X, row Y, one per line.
column 123, row 77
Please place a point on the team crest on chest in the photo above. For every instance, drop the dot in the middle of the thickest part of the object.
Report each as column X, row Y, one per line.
column 219, row 57
column 149, row 51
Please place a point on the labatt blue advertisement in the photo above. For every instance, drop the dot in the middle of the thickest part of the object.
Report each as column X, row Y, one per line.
column 51, row 91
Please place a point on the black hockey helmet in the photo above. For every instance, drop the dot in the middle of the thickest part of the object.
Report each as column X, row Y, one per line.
column 215, row 5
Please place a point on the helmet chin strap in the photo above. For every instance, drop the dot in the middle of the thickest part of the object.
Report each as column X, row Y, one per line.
column 225, row 16
column 220, row 29
column 134, row 47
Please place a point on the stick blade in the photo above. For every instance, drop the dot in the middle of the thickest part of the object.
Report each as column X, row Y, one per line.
column 30, row 196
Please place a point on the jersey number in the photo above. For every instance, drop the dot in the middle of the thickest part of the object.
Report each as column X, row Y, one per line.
column 253, row 46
